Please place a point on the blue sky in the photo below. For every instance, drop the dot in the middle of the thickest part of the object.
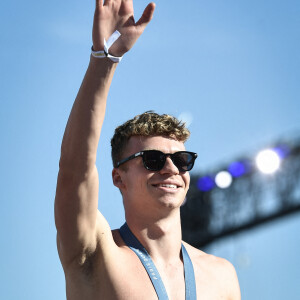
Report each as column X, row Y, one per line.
column 232, row 66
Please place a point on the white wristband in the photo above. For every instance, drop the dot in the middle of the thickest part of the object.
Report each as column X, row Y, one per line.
column 107, row 45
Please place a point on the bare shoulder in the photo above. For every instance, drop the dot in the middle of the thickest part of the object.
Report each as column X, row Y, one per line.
column 214, row 272
column 213, row 265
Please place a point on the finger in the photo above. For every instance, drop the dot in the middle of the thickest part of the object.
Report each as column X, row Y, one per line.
column 106, row 2
column 146, row 16
column 99, row 3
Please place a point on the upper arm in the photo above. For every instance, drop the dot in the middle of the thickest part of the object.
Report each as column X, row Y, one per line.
column 80, row 226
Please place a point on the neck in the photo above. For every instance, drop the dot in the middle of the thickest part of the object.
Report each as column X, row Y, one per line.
column 161, row 236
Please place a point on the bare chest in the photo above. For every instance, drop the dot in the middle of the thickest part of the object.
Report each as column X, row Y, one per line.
column 124, row 279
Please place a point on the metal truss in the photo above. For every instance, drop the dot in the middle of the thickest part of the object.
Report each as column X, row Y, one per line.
column 251, row 200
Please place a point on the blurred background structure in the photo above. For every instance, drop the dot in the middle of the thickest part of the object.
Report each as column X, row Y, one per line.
column 245, row 193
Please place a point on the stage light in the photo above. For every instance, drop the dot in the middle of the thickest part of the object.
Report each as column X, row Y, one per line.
column 239, row 168
column 282, row 150
column 205, row 183
column 223, row 179
column 268, row 161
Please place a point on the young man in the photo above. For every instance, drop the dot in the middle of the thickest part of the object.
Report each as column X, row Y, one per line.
column 146, row 258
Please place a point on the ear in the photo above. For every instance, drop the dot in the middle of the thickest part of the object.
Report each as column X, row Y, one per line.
column 117, row 178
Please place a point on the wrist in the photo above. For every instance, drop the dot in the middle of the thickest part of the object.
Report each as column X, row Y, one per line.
column 107, row 44
column 101, row 66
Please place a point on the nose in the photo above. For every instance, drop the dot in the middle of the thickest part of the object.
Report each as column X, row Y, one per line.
column 169, row 167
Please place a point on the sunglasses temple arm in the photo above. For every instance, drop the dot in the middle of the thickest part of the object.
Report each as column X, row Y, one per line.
column 128, row 158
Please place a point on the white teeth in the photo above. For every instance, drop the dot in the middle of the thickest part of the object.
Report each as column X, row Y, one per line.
column 172, row 186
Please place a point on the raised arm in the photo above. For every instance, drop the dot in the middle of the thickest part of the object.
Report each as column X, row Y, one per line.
column 77, row 218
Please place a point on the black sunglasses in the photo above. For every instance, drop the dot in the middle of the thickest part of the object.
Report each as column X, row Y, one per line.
column 155, row 160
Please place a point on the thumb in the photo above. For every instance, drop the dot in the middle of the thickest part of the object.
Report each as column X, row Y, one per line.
column 146, row 16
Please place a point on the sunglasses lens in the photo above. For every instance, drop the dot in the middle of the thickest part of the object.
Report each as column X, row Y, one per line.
column 154, row 160
column 184, row 161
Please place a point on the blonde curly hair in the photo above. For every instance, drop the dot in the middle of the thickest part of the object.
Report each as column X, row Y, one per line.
column 146, row 124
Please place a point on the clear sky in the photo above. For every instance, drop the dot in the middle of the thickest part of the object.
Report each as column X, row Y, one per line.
column 232, row 66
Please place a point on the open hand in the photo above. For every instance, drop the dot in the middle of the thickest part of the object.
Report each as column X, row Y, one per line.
column 118, row 15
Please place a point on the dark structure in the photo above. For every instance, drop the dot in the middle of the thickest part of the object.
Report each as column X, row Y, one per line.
column 251, row 199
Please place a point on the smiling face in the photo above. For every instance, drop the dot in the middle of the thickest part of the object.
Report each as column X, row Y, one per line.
column 145, row 190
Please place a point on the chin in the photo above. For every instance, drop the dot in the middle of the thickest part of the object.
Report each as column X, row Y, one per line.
column 171, row 202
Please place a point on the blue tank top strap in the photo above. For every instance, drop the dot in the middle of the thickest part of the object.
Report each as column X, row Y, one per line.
column 134, row 244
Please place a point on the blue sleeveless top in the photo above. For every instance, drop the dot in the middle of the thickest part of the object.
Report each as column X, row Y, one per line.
column 134, row 244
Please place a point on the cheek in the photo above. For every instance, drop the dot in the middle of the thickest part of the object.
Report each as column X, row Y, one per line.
column 187, row 180
column 138, row 181
column 140, row 185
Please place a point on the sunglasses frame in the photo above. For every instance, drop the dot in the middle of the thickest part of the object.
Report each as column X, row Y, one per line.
column 171, row 155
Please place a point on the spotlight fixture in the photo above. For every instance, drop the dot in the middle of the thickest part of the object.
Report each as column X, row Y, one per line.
column 223, row 179
column 205, row 183
column 268, row 161
column 239, row 168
